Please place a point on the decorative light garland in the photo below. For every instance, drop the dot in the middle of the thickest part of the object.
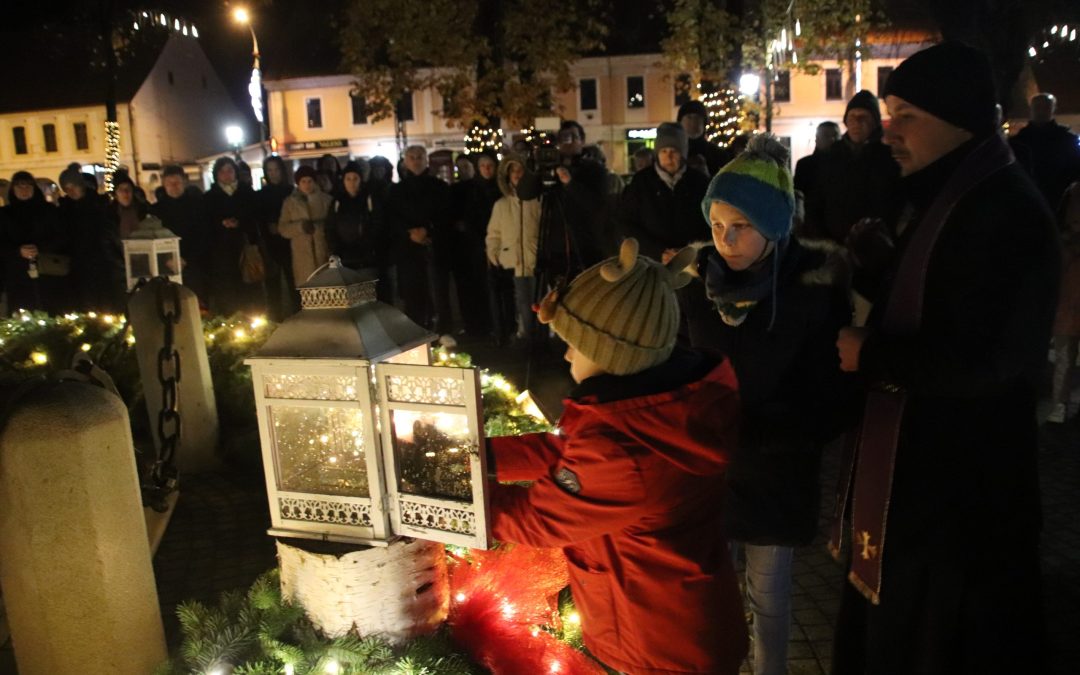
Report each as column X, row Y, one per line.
column 726, row 116
column 480, row 138
column 112, row 152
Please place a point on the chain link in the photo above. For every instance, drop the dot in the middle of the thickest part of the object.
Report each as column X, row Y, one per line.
column 164, row 476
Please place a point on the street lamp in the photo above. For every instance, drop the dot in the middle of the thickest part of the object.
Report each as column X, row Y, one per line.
column 243, row 17
column 234, row 135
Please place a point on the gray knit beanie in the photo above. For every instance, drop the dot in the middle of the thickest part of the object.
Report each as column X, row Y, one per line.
column 621, row 313
column 672, row 135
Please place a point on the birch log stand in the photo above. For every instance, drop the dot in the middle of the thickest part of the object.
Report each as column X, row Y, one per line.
column 398, row 591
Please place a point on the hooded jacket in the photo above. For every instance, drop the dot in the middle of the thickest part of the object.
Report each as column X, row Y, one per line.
column 514, row 228
column 629, row 489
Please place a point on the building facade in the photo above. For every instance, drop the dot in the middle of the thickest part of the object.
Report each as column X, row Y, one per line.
column 175, row 113
column 619, row 100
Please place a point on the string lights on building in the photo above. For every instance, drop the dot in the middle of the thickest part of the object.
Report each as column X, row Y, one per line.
column 112, row 152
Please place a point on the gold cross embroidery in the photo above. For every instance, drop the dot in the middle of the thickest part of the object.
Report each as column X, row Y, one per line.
column 868, row 552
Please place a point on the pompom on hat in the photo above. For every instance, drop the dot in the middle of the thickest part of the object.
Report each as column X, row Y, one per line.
column 621, row 313
column 759, row 184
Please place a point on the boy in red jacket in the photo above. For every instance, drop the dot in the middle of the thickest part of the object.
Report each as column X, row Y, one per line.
column 630, row 486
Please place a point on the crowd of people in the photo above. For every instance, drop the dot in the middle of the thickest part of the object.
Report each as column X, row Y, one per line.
column 725, row 318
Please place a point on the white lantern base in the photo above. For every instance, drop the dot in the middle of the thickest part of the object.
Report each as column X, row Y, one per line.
column 398, row 592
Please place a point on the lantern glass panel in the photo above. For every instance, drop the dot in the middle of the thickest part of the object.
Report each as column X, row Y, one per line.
column 167, row 263
column 311, row 387
column 140, row 265
column 320, row 450
column 432, row 453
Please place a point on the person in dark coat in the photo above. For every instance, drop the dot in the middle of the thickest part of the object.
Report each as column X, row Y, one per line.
column 233, row 221
column 126, row 208
column 1054, row 150
column 857, row 178
column 628, row 487
column 944, row 498
column 807, row 168
column 356, row 234
column 179, row 206
column 693, row 117
column 30, row 231
column 773, row 306
column 97, row 266
column 661, row 207
column 575, row 221
column 417, row 211
column 280, row 296
column 471, row 201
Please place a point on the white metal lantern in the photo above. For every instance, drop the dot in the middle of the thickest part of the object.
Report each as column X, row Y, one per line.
column 362, row 439
column 152, row 250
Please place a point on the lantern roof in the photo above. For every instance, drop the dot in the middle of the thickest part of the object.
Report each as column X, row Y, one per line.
column 151, row 227
column 340, row 318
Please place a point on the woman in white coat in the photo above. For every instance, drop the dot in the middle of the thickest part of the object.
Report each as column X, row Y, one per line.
column 511, row 240
column 303, row 223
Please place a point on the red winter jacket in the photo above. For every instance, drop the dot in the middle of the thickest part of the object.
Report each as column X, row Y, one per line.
column 630, row 489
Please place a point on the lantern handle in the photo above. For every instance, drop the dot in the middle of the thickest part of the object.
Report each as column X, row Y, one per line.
column 333, row 262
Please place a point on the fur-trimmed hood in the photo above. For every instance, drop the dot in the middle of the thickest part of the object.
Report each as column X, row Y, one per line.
column 831, row 266
column 504, row 170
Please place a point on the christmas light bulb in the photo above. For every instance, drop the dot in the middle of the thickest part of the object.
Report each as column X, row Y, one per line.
column 332, row 667
column 40, row 358
column 460, row 597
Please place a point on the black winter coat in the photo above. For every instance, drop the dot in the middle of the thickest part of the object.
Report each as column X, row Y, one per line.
column 575, row 223
column 355, row 235
column 794, row 397
column 34, row 221
column 851, row 186
column 659, row 217
column 270, row 198
column 185, row 216
column 97, row 266
column 228, row 292
column 960, row 579
column 1055, row 158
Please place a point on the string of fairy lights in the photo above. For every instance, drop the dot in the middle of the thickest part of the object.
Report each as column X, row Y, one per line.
column 481, row 138
column 1058, row 35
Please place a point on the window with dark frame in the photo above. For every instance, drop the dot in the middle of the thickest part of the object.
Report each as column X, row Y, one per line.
column 19, row 135
column 635, row 91
column 359, row 109
column 682, row 89
column 405, row 108
column 82, row 141
column 587, row 94
column 49, row 132
column 314, row 113
column 834, row 84
column 782, row 87
column 883, row 73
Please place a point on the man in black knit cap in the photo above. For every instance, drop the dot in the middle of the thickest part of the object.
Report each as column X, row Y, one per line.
column 946, row 456
column 856, row 177
column 693, row 117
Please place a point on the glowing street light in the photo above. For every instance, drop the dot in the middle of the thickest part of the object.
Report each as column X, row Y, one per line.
column 749, row 84
column 243, row 17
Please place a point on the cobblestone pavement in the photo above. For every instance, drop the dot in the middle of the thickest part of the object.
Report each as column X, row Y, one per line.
column 217, row 538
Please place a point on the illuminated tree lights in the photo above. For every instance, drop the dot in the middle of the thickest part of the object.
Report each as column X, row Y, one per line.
column 480, row 138
column 726, row 116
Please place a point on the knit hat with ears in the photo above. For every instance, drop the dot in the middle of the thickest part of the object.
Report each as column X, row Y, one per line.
column 621, row 313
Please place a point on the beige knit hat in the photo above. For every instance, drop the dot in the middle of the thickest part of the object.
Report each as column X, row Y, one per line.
column 621, row 313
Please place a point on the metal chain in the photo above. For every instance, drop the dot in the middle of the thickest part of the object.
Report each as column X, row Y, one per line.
column 164, row 476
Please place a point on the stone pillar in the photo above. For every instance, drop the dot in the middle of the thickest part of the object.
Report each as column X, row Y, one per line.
column 398, row 591
column 74, row 562
column 197, row 406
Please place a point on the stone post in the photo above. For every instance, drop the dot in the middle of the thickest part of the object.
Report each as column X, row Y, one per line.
column 74, row 561
column 197, row 406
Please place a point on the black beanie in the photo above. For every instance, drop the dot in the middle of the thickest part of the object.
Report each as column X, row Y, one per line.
column 867, row 101
column 304, row 172
column 953, row 82
column 692, row 108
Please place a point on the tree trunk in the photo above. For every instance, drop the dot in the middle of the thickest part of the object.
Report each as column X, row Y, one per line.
column 398, row 591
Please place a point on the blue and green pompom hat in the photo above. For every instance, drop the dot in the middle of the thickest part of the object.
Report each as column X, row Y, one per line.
column 759, row 184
